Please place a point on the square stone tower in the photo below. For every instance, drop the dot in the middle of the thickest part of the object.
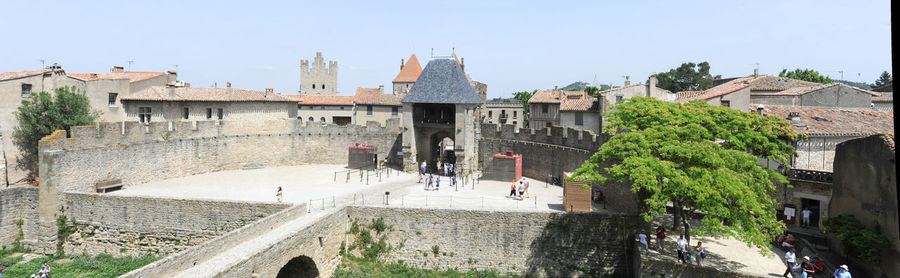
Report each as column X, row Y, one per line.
column 318, row 79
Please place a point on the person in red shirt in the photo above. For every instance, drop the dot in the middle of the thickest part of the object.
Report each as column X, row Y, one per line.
column 660, row 236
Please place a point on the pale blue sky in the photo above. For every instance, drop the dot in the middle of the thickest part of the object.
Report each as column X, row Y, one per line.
column 510, row 45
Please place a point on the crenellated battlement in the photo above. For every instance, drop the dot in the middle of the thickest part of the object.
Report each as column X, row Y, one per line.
column 129, row 133
column 555, row 135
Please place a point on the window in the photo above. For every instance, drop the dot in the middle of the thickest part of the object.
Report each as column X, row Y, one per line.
column 144, row 114
column 187, row 113
column 321, row 107
column 323, row 86
column 220, row 113
column 300, row 119
column 579, row 118
column 342, row 108
column 515, row 124
column 726, row 103
column 549, row 124
column 209, row 113
column 323, row 119
column 112, row 99
column 299, row 107
column 514, row 114
column 395, row 110
column 368, row 110
column 545, row 107
column 618, row 98
column 311, row 120
column 490, row 114
column 26, row 90
column 314, row 86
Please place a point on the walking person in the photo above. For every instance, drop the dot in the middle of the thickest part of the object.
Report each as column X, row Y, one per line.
column 279, row 195
column 660, row 237
column 807, row 268
column 642, row 238
column 527, row 185
column 512, row 190
column 681, row 246
column 428, row 184
column 789, row 260
column 437, row 183
column 699, row 253
column 842, row 272
column 521, row 190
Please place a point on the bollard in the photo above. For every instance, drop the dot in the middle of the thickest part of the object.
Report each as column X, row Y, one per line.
column 308, row 203
column 535, row 201
column 332, row 202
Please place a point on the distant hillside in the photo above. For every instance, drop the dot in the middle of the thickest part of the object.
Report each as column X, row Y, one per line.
column 579, row 86
column 860, row 85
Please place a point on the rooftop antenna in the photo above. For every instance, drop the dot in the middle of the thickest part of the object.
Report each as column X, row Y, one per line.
column 42, row 63
column 131, row 65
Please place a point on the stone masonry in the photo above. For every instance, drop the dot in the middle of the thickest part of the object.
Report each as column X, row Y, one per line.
column 318, row 79
column 17, row 203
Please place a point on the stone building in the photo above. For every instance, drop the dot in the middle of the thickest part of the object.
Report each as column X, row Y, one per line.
column 442, row 104
column 104, row 90
column 371, row 104
column 544, row 109
column 565, row 108
column 865, row 186
column 611, row 97
column 318, row 79
column 504, row 113
column 407, row 76
column 826, row 128
column 14, row 87
column 176, row 104
column 324, row 109
column 820, row 95
column 884, row 102
column 734, row 94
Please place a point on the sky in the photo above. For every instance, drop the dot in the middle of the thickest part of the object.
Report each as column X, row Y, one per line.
column 510, row 45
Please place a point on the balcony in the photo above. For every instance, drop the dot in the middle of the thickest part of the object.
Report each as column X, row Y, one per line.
column 810, row 175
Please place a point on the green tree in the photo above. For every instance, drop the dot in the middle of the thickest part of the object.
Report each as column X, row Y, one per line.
column 41, row 114
column 687, row 77
column 696, row 158
column 523, row 97
column 806, row 75
column 593, row 91
column 884, row 79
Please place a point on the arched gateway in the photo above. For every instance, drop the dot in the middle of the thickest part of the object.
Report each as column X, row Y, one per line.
column 299, row 267
column 443, row 105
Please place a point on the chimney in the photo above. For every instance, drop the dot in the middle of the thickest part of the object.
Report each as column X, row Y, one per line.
column 759, row 109
column 755, row 73
column 117, row 69
column 462, row 64
column 402, row 62
column 170, row 90
column 172, row 76
column 270, row 92
column 651, row 86
column 793, row 116
column 627, row 80
column 227, row 88
column 381, row 88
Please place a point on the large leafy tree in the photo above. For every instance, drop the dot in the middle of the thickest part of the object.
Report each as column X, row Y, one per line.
column 593, row 91
column 42, row 113
column 687, row 77
column 696, row 158
column 523, row 97
column 884, row 79
column 806, row 75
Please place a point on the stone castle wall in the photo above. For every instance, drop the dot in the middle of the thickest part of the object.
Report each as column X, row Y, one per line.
column 532, row 243
column 137, row 153
column 17, row 203
column 120, row 225
column 546, row 152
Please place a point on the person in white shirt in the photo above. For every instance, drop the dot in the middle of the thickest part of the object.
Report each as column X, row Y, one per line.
column 789, row 259
column 643, row 239
column 681, row 246
column 805, row 213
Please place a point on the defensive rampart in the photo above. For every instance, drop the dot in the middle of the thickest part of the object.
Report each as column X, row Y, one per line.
column 18, row 212
column 120, row 225
column 547, row 152
column 533, row 243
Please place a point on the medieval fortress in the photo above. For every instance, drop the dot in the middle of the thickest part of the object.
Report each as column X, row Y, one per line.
column 171, row 131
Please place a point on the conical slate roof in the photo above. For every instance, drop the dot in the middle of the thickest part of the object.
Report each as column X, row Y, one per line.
column 442, row 81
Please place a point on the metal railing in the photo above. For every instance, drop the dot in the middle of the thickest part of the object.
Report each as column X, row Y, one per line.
column 811, row 175
column 447, row 202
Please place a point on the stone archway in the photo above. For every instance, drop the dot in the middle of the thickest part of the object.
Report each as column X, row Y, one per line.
column 437, row 151
column 299, row 267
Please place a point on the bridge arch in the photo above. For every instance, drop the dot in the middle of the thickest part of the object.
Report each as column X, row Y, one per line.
column 299, row 267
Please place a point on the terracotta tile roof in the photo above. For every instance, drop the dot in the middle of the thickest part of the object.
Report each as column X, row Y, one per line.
column 774, row 83
column 884, row 97
column 326, row 100
column 548, row 96
column 376, row 97
column 204, row 94
column 802, row 90
column 294, row 97
column 834, row 122
column 132, row 76
column 23, row 73
column 410, row 71
column 724, row 89
column 577, row 101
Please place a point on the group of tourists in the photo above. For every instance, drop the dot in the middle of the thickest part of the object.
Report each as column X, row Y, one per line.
column 809, row 266
column 44, row 272
column 519, row 189
column 686, row 253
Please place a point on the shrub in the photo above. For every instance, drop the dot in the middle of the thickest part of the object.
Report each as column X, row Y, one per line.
column 856, row 239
